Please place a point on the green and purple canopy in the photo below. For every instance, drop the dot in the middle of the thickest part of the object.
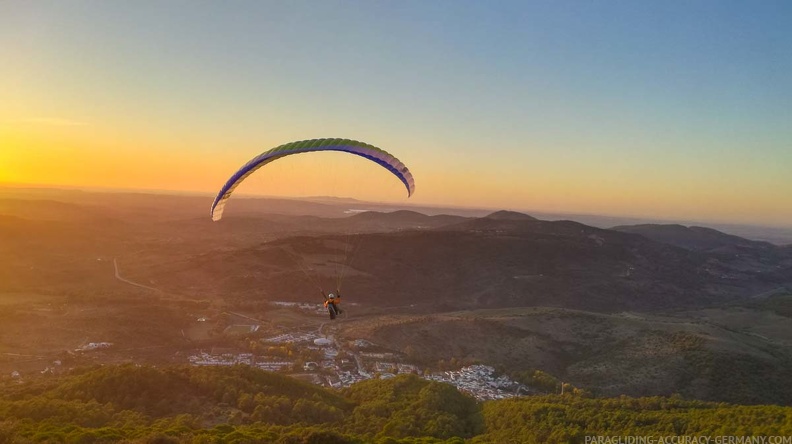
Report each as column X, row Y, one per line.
column 370, row 152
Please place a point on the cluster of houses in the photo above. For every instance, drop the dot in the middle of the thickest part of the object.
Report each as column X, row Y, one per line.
column 480, row 381
column 347, row 378
column 94, row 346
column 228, row 359
column 292, row 338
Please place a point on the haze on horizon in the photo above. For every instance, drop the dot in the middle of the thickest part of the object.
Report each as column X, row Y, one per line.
column 669, row 110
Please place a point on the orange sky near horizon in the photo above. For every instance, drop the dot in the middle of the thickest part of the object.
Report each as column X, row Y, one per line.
column 84, row 156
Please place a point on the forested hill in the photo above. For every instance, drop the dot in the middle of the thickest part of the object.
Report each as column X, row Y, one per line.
column 140, row 404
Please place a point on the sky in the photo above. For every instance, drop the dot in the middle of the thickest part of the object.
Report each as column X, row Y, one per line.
column 669, row 110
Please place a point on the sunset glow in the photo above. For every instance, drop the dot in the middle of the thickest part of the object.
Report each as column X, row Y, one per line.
column 526, row 107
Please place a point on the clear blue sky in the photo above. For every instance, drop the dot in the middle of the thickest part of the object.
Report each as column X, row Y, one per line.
column 677, row 109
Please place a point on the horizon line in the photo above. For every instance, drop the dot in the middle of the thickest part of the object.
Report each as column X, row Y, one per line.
column 657, row 220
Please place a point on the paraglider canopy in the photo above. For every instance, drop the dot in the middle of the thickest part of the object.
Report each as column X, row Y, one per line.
column 379, row 156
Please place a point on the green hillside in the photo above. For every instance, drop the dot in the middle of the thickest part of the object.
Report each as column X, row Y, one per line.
column 139, row 404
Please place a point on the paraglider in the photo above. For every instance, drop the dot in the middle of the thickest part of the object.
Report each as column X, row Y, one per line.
column 331, row 303
column 377, row 155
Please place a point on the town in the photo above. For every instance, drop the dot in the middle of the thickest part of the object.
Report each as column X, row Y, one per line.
column 325, row 360
column 304, row 352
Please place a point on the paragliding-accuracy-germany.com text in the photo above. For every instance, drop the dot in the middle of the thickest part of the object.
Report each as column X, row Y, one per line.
column 688, row 439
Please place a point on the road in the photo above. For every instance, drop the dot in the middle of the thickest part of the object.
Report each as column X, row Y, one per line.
column 258, row 321
column 118, row 276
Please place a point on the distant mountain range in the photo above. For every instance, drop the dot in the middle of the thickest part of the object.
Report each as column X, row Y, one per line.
column 504, row 259
column 196, row 204
column 402, row 258
column 692, row 238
